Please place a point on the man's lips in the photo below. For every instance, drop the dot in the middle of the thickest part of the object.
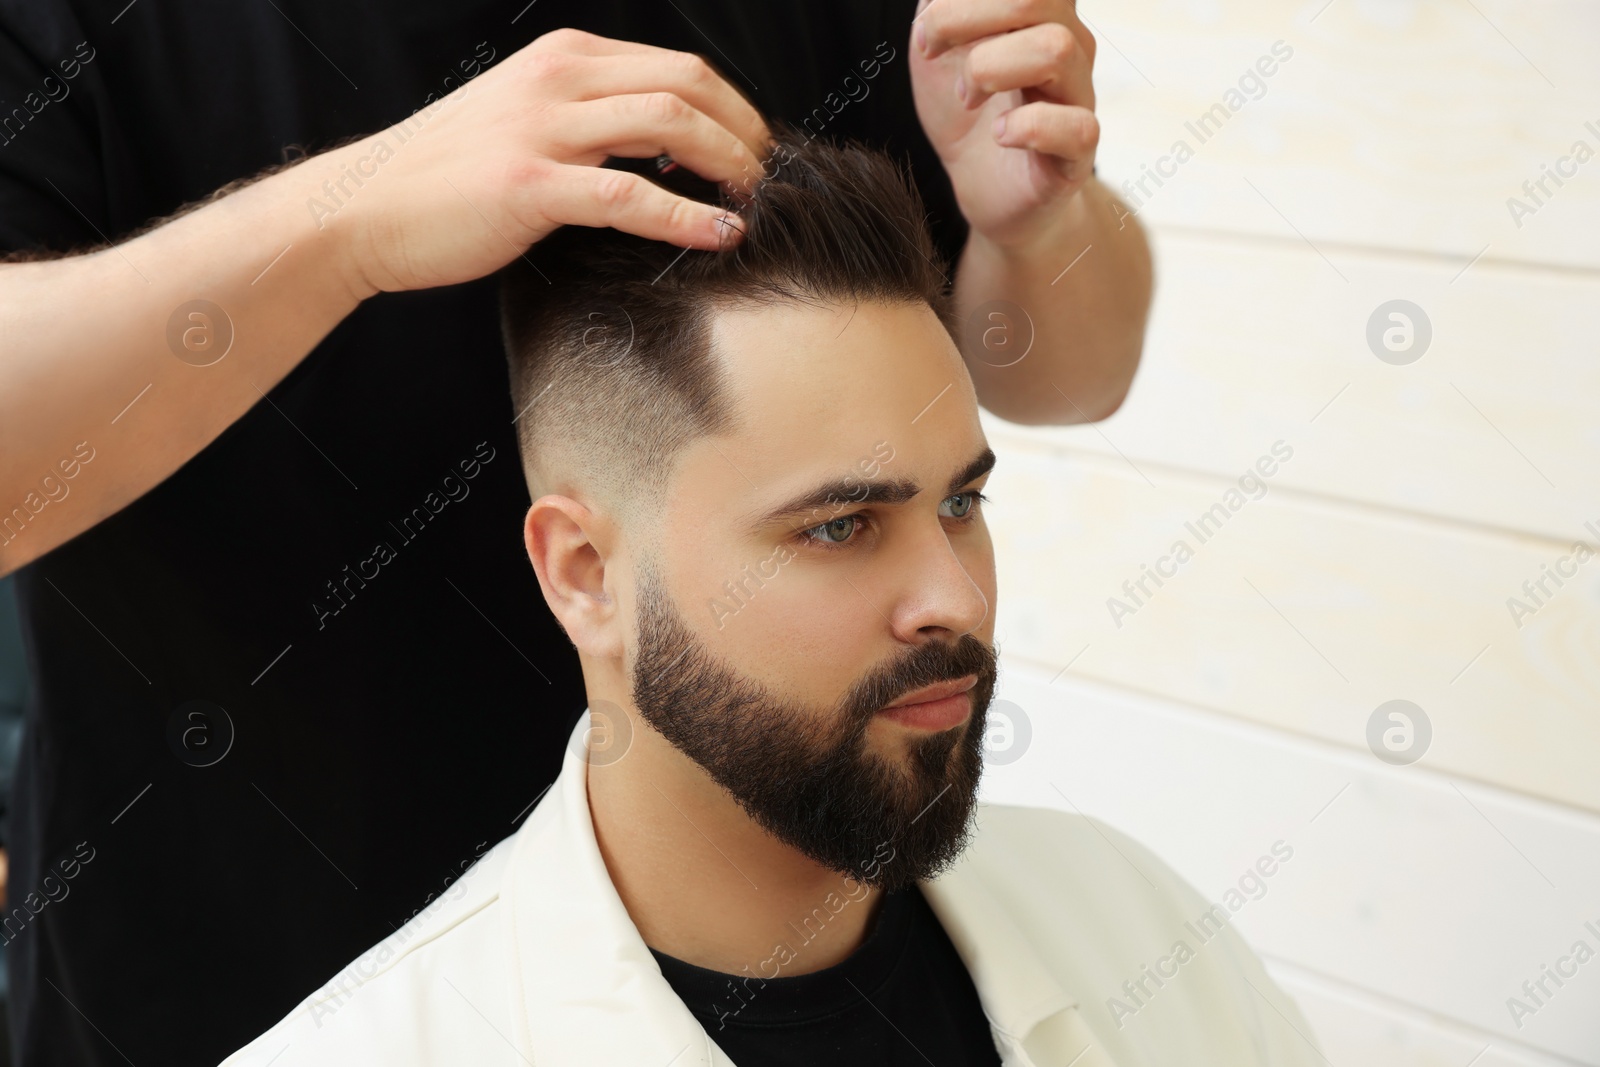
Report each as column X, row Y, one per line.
column 934, row 707
column 937, row 691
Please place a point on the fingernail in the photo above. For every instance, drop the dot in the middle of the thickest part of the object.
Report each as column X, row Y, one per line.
column 1000, row 127
column 921, row 34
column 727, row 227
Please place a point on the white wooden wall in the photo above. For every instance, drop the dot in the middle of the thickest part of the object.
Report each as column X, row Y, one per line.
column 1230, row 709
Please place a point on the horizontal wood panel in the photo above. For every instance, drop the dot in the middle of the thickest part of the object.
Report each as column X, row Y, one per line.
column 1361, row 1030
column 1396, row 125
column 1302, row 615
column 1249, row 343
column 1426, row 891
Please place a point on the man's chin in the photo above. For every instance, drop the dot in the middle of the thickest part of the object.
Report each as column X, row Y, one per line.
column 900, row 868
column 918, row 842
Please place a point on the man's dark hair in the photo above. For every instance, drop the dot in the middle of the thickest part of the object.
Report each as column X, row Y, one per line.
column 608, row 335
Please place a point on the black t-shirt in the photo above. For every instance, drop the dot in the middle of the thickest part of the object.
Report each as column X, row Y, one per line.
column 902, row 999
column 371, row 752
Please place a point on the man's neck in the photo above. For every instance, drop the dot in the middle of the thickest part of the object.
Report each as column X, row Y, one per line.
column 705, row 883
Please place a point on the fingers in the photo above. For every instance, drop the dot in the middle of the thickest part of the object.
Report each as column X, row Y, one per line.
column 607, row 97
column 947, row 24
column 643, row 125
column 585, row 66
column 590, row 196
column 1070, row 133
column 1046, row 57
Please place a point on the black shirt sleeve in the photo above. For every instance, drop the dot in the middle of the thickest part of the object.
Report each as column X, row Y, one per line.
column 52, row 164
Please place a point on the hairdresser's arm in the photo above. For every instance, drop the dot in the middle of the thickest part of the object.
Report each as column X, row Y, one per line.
column 1084, row 290
column 96, row 408
column 1005, row 92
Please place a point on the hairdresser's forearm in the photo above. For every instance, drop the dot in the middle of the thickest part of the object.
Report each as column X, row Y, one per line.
column 1085, row 284
column 95, row 406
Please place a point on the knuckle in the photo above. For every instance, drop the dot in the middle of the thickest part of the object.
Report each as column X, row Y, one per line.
column 1060, row 41
column 614, row 190
column 1089, row 130
column 677, row 214
column 692, row 69
column 546, row 67
column 665, row 109
column 563, row 38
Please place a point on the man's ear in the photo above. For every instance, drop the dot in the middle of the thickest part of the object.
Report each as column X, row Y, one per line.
column 569, row 547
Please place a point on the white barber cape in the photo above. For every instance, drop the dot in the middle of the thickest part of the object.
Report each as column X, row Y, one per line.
column 530, row 958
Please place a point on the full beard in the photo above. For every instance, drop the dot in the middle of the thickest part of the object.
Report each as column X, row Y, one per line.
column 810, row 779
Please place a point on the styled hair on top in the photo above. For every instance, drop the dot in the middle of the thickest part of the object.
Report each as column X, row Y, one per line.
column 607, row 334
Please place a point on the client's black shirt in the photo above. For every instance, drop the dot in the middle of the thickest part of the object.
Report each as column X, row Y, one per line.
column 903, row 999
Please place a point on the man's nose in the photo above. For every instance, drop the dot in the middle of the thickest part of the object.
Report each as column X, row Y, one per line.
column 935, row 591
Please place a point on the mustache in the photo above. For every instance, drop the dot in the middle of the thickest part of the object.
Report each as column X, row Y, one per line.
column 937, row 661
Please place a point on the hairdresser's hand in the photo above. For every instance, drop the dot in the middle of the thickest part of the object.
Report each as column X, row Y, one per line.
column 1027, row 60
column 516, row 152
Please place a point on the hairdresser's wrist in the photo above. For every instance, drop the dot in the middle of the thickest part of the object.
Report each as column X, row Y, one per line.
column 1055, row 226
column 329, row 201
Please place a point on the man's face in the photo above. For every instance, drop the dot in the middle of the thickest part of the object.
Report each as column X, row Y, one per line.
column 769, row 639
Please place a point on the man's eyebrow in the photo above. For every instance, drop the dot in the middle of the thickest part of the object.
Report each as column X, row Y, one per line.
column 854, row 491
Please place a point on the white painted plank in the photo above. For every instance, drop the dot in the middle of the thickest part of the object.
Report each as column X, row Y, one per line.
column 1393, row 123
column 1249, row 342
column 1303, row 615
column 1359, row 1029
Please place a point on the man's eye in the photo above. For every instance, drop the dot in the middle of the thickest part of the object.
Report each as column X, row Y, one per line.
column 964, row 503
column 840, row 532
column 834, row 531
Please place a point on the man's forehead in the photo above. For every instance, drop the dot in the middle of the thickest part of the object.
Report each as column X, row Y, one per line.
column 837, row 406
column 863, row 369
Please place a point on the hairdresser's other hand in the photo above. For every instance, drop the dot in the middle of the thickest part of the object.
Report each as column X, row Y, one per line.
column 1031, row 62
column 470, row 181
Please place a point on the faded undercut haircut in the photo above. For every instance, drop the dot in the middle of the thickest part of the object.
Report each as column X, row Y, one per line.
column 607, row 334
